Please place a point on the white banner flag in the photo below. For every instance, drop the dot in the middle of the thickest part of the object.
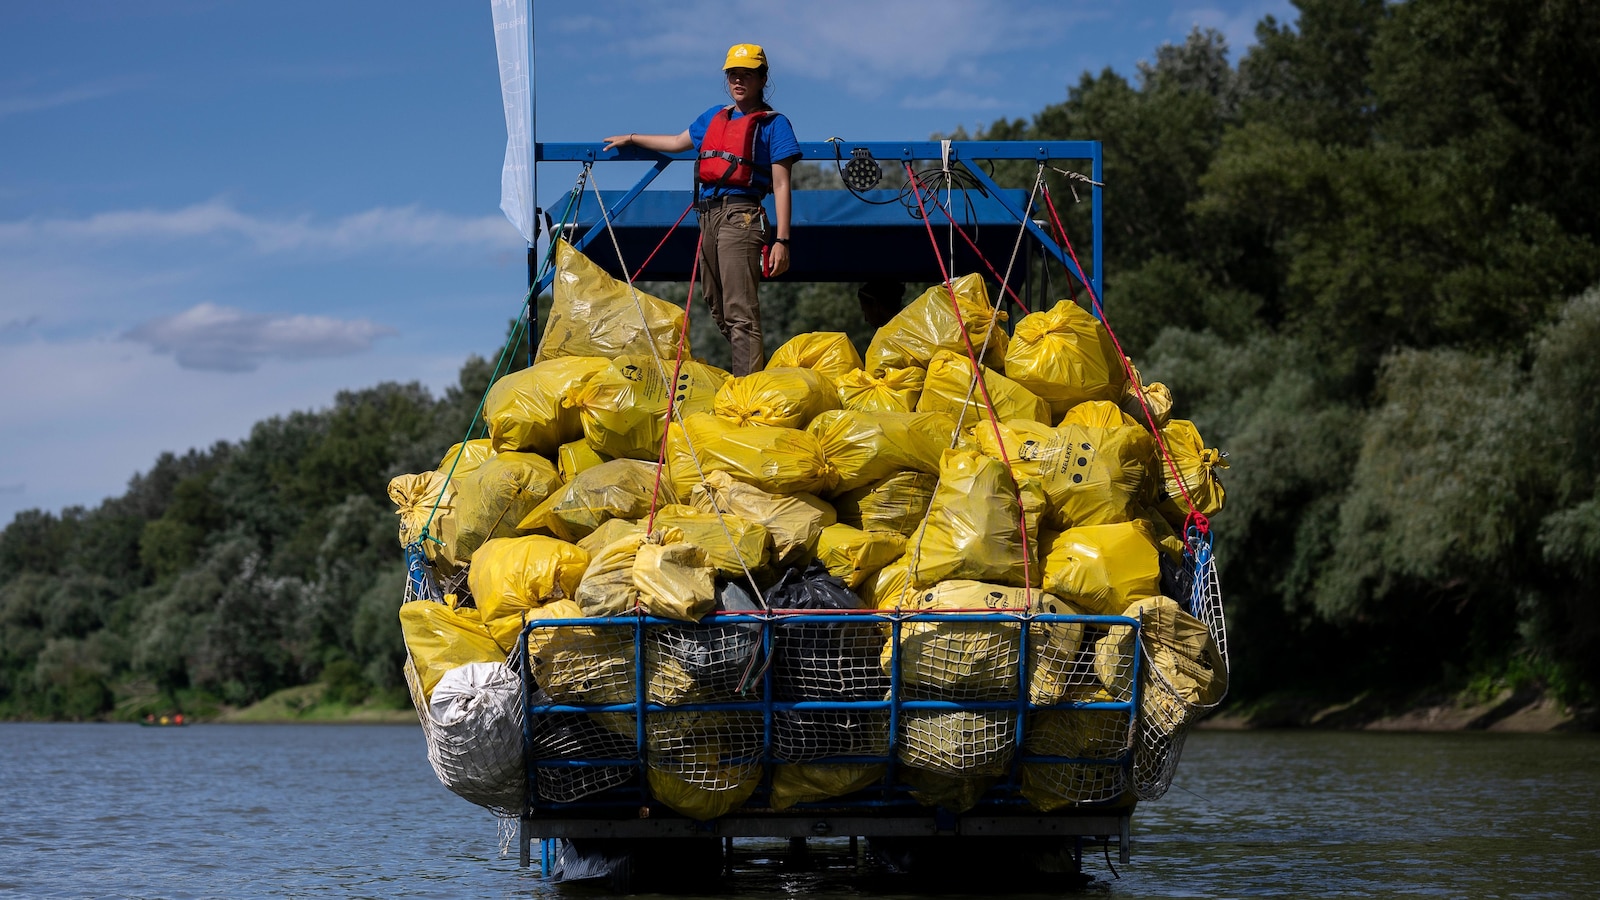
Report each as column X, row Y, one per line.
column 511, row 44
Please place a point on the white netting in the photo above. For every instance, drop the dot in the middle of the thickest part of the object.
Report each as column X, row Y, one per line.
column 583, row 664
column 948, row 757
column 828, row 662
column 959, row 661
column 701, row 663
column 473, row 730
column 1172, row 702
column 574, row 736
column 1081, row 733
column 1068, row 664
column 959, row 742
column 706, row 751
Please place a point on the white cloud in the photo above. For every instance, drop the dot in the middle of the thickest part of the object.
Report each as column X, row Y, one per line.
column 865, row 47
column 94, row 90
column 377, row 229
column 1237, row 25
column 219, row 339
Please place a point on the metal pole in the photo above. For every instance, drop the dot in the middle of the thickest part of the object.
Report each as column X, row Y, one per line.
column 533, row 191
column 1097, row 172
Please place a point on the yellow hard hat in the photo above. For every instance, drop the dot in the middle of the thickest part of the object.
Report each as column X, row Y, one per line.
column 745, row 56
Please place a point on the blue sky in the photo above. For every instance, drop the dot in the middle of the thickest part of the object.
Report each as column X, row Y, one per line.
column 216, row 212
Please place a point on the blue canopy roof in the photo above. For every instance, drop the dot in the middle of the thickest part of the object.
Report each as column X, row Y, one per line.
column 836, row 235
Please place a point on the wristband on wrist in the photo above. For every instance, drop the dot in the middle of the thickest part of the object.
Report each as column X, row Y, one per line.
column 779, row 240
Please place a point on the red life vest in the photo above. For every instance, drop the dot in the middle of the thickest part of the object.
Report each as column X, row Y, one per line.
column 728, row 152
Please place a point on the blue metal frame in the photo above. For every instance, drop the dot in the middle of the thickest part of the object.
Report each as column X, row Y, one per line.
column 901, row 151
column 888, row 794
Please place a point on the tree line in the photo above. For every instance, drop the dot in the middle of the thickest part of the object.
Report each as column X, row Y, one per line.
column 1363, row 257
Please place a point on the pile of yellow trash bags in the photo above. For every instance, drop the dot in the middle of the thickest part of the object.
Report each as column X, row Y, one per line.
column 886, row 475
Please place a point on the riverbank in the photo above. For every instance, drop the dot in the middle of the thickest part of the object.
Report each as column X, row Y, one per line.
column 1519, row 710
column 308, row 704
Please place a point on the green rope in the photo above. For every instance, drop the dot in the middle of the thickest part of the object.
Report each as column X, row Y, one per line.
column 513, row 340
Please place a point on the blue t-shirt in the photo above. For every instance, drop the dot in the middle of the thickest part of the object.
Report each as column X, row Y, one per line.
column 775, row 142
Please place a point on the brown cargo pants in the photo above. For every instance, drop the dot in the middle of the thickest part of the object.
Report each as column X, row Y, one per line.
column 733, row 233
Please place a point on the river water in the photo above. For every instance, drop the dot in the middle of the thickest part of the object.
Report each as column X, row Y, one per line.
column 354, row 811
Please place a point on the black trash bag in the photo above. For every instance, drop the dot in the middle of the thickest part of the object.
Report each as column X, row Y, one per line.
column 1177, row 579
column 575, row 736
column 830, row 661
column 705, row 662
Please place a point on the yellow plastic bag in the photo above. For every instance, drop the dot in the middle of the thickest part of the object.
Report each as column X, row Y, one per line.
column 1189, row 673
column 703, row 764
column 1056, row 671
column 1080, row 733
column 609, row 532
column 472, row 453
column 890, row 390
column 1101, row 568
column 619, row 489
column 528, row 410
column 1092, row 476
column 889, row 588
column 673, row 577
column 794, row 522
column 928, row 324
column 1097, row 414
column 1156, row 396
column 415, row 497
column 587, row 664
column 494, row 499
column 811, row 782
column 865, row 448
column 507, row 630
column 1065, row 356
column 781, row 397
column 593, row 314
column 510, row 576
column 951, row 758
column 1166, row 537
column 973, row 528
column 934, row 737
column 607, row 587
column 950, row 377
column 711, row 532
column 576, row 456
column 830, row 353
column 439, row 639
column 1199, row 466
column 777, row 460
column 662, row 574
column 896, row 503
column 853, row 555
column 960, row 660
column 623, row 408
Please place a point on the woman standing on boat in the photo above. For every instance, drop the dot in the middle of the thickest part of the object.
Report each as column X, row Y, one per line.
column 746, row 151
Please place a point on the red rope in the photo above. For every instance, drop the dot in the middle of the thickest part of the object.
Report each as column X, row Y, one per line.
column 672, row 388
column 663, row 243
column 1194, row 518
column 983, row 386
